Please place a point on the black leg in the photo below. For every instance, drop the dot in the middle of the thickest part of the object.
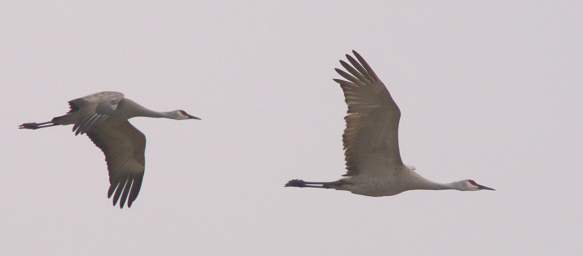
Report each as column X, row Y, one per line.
column 35, row 126
column 309, row 184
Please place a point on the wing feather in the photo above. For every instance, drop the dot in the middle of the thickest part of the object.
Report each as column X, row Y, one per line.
column 124, row 147
column 93, row 109
column 371, row 135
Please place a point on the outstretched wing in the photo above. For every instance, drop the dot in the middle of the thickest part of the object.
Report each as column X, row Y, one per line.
column 370, row 139
column 93, row 109
column 123, row 146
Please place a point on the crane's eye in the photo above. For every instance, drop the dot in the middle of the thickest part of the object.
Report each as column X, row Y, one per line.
column 473, row 182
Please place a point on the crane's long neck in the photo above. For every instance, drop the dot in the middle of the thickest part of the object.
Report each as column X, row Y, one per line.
column 438, row 186
column 139, row 110
column 425, row 184
column 155, row 114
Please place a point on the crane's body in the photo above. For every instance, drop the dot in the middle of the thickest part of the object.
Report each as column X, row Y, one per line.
column 371, row 144
column 104, row 118
column 386, row 185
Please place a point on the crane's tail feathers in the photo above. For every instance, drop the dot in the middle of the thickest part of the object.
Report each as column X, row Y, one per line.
column 34, row 126
column 307, row 184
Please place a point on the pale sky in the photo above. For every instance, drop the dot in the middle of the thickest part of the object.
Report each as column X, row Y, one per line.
column 489, row 91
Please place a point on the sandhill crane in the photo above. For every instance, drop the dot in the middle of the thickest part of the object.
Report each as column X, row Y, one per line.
column 104, row 118
column 370, row 140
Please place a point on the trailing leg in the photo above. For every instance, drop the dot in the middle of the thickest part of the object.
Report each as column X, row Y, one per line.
column 35, row 126
column 66, row 119
column 308, row 184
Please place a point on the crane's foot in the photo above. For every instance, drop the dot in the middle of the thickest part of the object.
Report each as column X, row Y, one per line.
column 34, row 126
column 296, row 183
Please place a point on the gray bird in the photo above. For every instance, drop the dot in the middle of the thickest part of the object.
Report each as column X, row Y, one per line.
column 371, row 144
column 104, row 118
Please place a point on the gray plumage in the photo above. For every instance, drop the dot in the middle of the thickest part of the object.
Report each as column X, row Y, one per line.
column 371, row 141
column 104, row 118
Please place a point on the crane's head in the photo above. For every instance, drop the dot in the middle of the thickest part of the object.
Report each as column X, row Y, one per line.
column 181, row 115
column 471, row 185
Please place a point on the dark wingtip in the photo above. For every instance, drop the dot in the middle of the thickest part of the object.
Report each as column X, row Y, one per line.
column 111, row 190
column 358, row 56
column 343, row 63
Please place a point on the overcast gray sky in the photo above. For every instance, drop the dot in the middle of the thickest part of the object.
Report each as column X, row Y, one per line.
column 489, row 91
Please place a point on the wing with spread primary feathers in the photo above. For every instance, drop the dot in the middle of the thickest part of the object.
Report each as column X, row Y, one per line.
column 124, row 147
column 370, row 139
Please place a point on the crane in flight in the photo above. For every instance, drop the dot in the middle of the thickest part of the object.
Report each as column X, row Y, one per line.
column 104, row 118
column 371, row 145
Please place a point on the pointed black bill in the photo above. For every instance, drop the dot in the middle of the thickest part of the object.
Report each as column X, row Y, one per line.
column 482, row 187
column 193, row 117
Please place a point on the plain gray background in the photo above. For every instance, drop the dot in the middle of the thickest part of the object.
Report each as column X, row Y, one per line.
column 489, row 91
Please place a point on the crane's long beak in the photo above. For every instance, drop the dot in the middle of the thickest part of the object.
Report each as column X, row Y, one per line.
column 193, row 117
column 482, row 187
